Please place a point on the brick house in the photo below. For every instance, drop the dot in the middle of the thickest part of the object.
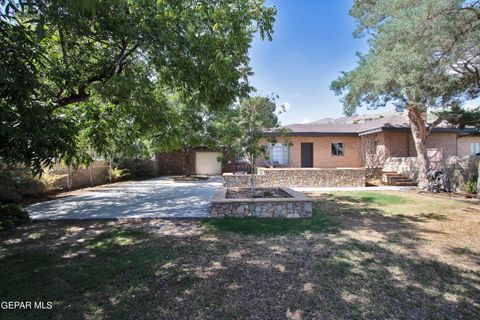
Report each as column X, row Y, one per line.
column 336, row 144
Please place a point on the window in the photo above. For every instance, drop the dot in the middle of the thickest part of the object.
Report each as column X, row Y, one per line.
column 279, row 154
column 337, row 149
column 475, row 148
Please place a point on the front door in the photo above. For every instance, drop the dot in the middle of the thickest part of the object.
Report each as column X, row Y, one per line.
column 307, row 155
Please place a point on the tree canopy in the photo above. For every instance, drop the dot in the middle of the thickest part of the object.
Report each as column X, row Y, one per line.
column 423, row 54
column 91, row 68
column 247, row 129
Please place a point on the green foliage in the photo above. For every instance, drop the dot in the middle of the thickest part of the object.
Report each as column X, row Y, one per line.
column 247, row 128
column 422, row 54
column 471, row 185
column 12, row 215
column 461, row 117
column 87, row 78
column 119, row 174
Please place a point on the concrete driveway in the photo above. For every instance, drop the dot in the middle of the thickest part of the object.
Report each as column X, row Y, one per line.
column 156, row 198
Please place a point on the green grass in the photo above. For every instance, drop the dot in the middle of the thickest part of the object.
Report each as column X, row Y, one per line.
column 115, row 278
column 367, row 255
column 320, row 223
column 369, row 197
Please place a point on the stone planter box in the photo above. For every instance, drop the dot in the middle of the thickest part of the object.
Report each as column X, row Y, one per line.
column 298, row 206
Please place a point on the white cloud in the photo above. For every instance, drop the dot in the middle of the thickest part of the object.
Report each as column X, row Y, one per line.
column 306, row 120
column 286, row 105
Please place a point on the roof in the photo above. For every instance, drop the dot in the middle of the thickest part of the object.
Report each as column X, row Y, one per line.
column 362, row 125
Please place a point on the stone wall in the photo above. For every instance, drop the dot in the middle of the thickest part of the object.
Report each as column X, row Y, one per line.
column 299, row 178
column 459, row 169
column 299, row 206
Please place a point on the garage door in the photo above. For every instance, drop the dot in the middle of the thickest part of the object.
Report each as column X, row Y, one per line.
column 207, row 163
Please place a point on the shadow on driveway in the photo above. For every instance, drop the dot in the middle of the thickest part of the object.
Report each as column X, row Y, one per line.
column 155, row 198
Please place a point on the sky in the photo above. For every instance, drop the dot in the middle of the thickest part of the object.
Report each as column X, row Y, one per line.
column 312, row 43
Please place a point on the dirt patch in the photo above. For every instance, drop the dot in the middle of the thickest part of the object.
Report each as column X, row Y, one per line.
column 400, row 254
column 245, row 193
column 463, row 196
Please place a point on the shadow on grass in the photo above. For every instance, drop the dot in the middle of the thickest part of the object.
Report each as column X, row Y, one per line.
column 119, row 271
column 114, row 272
column 319, row 223
column 326, row 210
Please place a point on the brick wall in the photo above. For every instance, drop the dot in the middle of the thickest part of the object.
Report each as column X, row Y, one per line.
column 445, row 140
column 322, row 151
column 140, row 168
column 173, row 163
column 463, row 145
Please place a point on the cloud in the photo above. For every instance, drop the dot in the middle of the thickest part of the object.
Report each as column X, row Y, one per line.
column 306, row 120
column 286, row 105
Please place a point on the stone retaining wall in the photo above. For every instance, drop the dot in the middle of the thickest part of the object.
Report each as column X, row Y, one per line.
column 299, row 178
column 299, row 206
column 458, row 169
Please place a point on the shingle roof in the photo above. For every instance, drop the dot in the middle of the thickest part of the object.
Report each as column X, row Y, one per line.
column 360, row 125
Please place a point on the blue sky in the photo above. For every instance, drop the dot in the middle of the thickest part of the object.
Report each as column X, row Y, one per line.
column 311, row 44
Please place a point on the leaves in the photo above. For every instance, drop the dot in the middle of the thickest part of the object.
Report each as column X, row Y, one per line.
column 100, row 75
column 421, row 52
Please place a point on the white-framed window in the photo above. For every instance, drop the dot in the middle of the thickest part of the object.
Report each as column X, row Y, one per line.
column 475, row 148
column 337, row 149
column 279, row 154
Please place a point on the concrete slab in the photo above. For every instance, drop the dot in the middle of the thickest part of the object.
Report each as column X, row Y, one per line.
column 333, row 189
column 156, row 198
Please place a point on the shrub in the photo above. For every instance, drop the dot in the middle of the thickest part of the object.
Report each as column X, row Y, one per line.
column 471, row 185
column 119, row 174
column 12, row 215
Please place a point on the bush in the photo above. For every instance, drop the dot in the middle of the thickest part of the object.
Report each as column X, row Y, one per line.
column 119, row 174
column 12, row 215
column 471, row 185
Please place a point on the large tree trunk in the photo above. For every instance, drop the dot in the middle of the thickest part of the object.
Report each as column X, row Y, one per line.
column 419, row 133
column 252, row 175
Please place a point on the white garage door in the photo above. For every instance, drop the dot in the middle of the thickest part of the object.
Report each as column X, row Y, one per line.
column 207, row 163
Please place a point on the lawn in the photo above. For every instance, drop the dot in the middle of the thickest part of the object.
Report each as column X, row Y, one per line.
column 363, row 255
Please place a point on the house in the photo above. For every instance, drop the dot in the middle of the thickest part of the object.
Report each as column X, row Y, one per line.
column 339, row 143
column 332, row 143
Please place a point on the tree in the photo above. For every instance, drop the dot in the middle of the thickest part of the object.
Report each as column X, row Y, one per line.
column 371, row 153
column 248, row 129
column 423, row 55
column 186, row 129
column 116, row 53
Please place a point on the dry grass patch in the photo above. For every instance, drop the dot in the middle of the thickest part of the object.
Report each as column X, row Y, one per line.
column 362, row 256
